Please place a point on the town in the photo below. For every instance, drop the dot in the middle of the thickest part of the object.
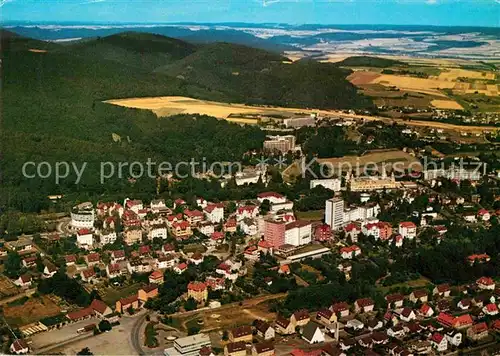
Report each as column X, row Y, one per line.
column 373, row 270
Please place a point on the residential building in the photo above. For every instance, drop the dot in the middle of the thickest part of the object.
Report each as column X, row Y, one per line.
column 214, row 212
column 264, row 329
column 274, row 233
column 235, row 349
column 282, row 144
column 241, row 333
column 298, row 233
column 364, row 305
column 83, row 216
column 263, row 349
column 85, row 238
column 439, row 342
column 198, row 291
column 408, row 230
column 147, row 292
column 124, row 304
column 334, row 213
column 132, row 236
column 478, row 331
column 332, row 184
column 312, row 333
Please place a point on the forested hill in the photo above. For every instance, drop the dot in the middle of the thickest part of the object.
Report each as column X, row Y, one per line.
column 367, row 61
column 52, row 106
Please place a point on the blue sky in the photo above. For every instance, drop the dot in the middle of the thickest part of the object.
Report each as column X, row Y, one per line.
column 403, row 12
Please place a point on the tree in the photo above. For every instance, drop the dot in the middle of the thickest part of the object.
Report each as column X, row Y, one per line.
column 190, row 304
column 84, row 351
column 104, row 325
column 13, row 265
column 192, row 330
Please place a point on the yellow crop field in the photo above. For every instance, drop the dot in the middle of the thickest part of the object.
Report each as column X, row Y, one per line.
column 453, row 74
column 422, row 85
column 446, row 104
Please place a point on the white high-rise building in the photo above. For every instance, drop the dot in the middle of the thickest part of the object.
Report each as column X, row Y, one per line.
column 334, row 213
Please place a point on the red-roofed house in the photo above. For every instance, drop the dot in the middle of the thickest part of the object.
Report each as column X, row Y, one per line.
column 350, row 252
column 92, row 259
column 273, row 197
column 100, row 308
column 352, row 230
column 486, row 283
column 478, row 258
column 193, row 216
column 181, row 268
column 70, row 260
column 214, row 212
column 88, row 275
column 439, row 342
column 483, row 214
column 247, row 212
column 364, row 305
column 113, row 270
column 19, row 347
column 408, row 230
column 125, row 304
column 426, row 311
column 490, row 309
column 198, row 291
column 478, row 331
column 24, row 281
column 181, row 229
column 156, row 277
column 341, row 309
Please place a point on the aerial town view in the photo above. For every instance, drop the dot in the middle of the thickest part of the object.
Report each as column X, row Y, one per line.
column 250, row 177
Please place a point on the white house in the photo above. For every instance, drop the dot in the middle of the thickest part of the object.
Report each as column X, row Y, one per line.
column 312, row 333
column 249, row 226
column 206, row 228
column 454, row 338
column 158, row 231
column 408, row 230
column 85, row 238
column 214, row 212
column 332, row 184
column 157, row 205
column 274, row 198
column 108, row 238
column 23, row 281
column 439, row 342
column 246, row 212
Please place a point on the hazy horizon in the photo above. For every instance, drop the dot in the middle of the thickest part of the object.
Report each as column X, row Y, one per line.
column 466, row 13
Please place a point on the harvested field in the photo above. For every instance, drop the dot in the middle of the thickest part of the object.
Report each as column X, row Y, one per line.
column 33, row 310
column 361, row 77
column 7, row 288
column 34, row 50
column 446, row 104
column 454, row 74
column 172, row 105
column 421, row 85
column 387, row 156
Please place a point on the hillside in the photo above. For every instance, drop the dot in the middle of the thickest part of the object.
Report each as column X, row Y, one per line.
column 141, row 50
column 52, row 107
column 366, row 61
column 255, row 76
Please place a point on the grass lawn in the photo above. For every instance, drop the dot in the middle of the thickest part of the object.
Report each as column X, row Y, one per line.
column 311, row 214
column 421, row 282
column 113, row 294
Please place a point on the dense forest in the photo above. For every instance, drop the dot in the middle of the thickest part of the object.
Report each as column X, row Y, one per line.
column 53, row 106
column 367, row 61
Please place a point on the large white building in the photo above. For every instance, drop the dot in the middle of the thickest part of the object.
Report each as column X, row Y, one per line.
column 334, row 213
column 332, row 184
column 214, row 212
column 298, row 233
column 189, row 345
column 455, row 173
column 83, row 216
